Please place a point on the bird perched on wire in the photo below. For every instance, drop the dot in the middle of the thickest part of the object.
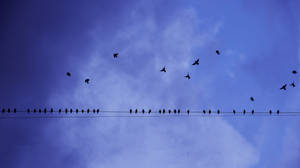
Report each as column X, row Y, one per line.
column 116, row 55
column 87, row 80
column 294, row 72
column 283, row 87
column 196, row 62
column 293, row 84
column 251, row 98
column 218, row 52
column 163, row 69
column 187, row 76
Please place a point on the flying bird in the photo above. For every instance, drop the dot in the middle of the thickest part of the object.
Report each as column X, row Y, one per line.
column 187, row 76
column 116, row 55
column 218, row 52
column 87, row 80
column 293, row 84
column 196, row 62
column 163, row 69
column 68, row 74
column 294, row 71
column 251, row 98
column 283, row 87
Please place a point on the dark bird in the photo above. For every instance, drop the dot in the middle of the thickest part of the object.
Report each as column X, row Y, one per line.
column 68, row 74
column 251, row 98
column 163, row 69
column 196, row 62
column 294, row 72
column 187, row 76
column 283, row 87
column 218, row 52
column 87, row 80
column 116, row 55
column 293, row 84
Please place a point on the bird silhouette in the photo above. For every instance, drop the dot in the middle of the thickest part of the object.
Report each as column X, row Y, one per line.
column 293, row 84
column 116, row 55
column 196, row 62
column 251, row 98
column 218, row 52
column 68, row 74
column 294, row 72
column 163, row 69
column 283, row 87
column 187, row 76
column 87, row 80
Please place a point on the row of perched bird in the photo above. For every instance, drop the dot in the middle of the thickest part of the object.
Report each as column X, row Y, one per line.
column 160, row 111
column 45, row 110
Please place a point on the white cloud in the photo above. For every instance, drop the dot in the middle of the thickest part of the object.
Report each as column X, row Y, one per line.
column 134, row 80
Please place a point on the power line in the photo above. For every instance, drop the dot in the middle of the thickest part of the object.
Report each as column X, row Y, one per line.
column 97, row 113
column 127, row 116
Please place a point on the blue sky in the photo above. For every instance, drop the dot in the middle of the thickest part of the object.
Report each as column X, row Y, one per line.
column 259, row 44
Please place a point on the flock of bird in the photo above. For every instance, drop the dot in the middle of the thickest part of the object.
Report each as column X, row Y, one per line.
column 292, row 84
column 196, row 62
